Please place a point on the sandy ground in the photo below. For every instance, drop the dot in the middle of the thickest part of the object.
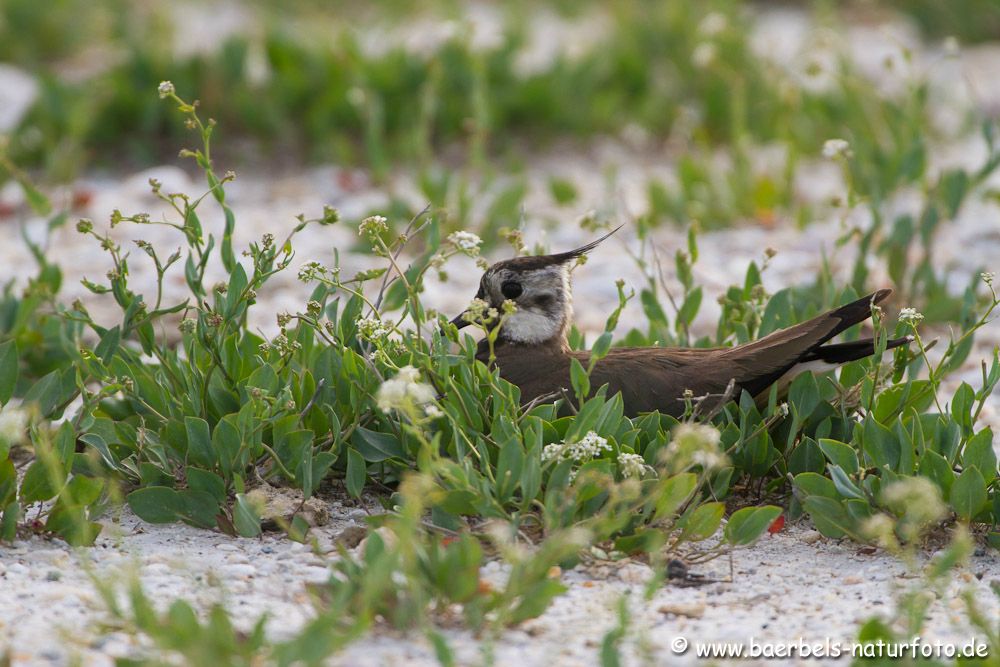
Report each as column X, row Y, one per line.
column 791, row 585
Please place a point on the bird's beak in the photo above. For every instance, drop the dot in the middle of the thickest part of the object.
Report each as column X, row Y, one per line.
column 460, row 321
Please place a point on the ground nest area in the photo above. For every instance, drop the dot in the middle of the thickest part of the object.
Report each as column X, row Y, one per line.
column 792, row 585
column 236, row 428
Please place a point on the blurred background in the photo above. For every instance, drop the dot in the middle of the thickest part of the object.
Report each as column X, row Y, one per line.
column 554, row 117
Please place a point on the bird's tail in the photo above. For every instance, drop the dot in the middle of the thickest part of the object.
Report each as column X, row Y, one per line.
column 841, row 353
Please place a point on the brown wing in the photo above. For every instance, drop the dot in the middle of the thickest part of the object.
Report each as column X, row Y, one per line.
column 656, row 378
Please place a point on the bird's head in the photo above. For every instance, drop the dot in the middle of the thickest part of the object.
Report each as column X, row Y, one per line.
column 539, row 286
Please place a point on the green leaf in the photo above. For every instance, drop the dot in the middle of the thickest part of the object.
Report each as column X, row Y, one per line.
column 8, row 370
column 356, row 473
column 845, row 487
column 245, row 517
column 206, row 481
column 601, row 346
column 41, row 482
column 374, row 446
column 806, row 457
column 8, row 522
column 804, row 395
column 703, row 522
column 673, row 493
column 880, row 445
column 689, row 309
column 813, row 484
column 199, row 442
column 156, row 504
column 840, row 454
column 968, row 495
column 936, row 468
column 961, row 407
column 8, row 482
column 749, row 523
column 579, row 379
column 829, row 517
column 201, row 509
column 979, row 452
column 106, row 349
column 98, row 443
column 52, row 391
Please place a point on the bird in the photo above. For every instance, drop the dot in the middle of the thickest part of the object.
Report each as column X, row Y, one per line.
column 531, row 349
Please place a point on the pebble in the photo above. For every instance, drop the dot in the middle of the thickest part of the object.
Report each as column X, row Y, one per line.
column 811, row 536
column 17, row 568
column 635, row 573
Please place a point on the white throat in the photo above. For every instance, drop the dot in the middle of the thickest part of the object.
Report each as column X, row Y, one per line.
column 532, row 326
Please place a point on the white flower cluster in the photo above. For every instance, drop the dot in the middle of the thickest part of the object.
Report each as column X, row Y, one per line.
column 916, row 501
column 404, row 390
column 373, row 225
column 13, row 426
column 480, row 312
column 836, row 148
column 910, row 316
column 311, row 271
column 372, row 328
column 165, row 89
column 633, row 465
column 695, row 444
column 581, row 451
column 466, row 242
column 988, row 277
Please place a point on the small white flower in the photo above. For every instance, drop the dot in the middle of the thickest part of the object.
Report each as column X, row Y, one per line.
column 713, row 24
column 917, row 501
column 552, row 452
column 466, row 242
column 703, row 55
column 707, row 459
column 632, row 465
column 372, row 328
column 479, row 311
column 373, row 225
column 586, row 448
column 404, row 390
column 910, row 316
column 581, row 451
column 836, row 148
column 694, row 444
column 13, row 426
column 433, row 411
column 988, row 277
column 165, row 89
column 311, row 271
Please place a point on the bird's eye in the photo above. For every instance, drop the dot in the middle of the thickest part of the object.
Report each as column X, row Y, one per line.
column 511, row 289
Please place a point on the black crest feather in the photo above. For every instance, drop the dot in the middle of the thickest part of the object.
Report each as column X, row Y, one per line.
column 541, row 261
